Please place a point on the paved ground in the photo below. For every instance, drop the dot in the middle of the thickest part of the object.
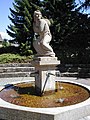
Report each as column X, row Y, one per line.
column 85, row 81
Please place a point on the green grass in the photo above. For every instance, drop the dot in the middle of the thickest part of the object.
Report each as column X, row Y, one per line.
column 14, row 58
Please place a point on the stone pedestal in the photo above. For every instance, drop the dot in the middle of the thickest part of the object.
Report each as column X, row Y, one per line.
column 45, row 77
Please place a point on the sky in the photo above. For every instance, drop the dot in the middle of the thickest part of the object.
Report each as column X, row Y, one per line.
column 4, row 20
column 5, row 12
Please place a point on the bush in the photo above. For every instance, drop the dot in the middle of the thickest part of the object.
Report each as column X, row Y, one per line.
column 69, row 55
column 14, row 58
column 9, row 49
column 25, row 49
column 6, row 43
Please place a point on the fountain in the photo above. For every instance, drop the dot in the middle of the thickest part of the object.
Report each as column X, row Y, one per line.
column 45, row 79
column 61, row 99
column 16, row 106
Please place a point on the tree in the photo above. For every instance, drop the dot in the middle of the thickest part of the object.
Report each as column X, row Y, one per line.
column 83, row 5
column 69, row 29
column 22, row 18
column 61, row 13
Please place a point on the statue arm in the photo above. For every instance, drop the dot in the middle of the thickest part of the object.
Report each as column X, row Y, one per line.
column 35, row 29
column 42, row 25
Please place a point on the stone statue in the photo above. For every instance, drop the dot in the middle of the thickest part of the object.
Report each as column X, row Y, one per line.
column 41, row 29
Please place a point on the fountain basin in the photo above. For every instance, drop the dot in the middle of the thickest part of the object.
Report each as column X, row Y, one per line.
column 24, row 94
column 15, row 112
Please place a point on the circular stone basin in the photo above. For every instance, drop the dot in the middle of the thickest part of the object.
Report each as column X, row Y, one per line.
column 24, row 94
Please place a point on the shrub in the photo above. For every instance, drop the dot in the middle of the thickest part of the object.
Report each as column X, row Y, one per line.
column 25, row 49
column 14, row 58
column 6, row 43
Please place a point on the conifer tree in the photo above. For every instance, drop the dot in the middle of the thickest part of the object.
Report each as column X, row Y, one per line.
column 60, row 12
column 69, row 29
column 83, row 5
column 22, row 17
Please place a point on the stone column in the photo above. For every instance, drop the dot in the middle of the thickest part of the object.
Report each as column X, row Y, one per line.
column 45, row 79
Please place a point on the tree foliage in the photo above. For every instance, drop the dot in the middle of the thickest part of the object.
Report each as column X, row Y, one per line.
column 22, row 17
column 70, row 28
column 83, row 5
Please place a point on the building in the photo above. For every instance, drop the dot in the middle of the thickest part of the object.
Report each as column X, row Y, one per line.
column 1, row 40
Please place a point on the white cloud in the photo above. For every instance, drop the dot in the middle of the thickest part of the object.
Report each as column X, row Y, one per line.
column 5, row 35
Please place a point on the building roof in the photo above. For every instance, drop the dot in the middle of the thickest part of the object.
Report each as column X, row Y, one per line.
column 1, row 38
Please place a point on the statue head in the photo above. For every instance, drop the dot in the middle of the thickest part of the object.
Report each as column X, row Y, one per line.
column 37, row 15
